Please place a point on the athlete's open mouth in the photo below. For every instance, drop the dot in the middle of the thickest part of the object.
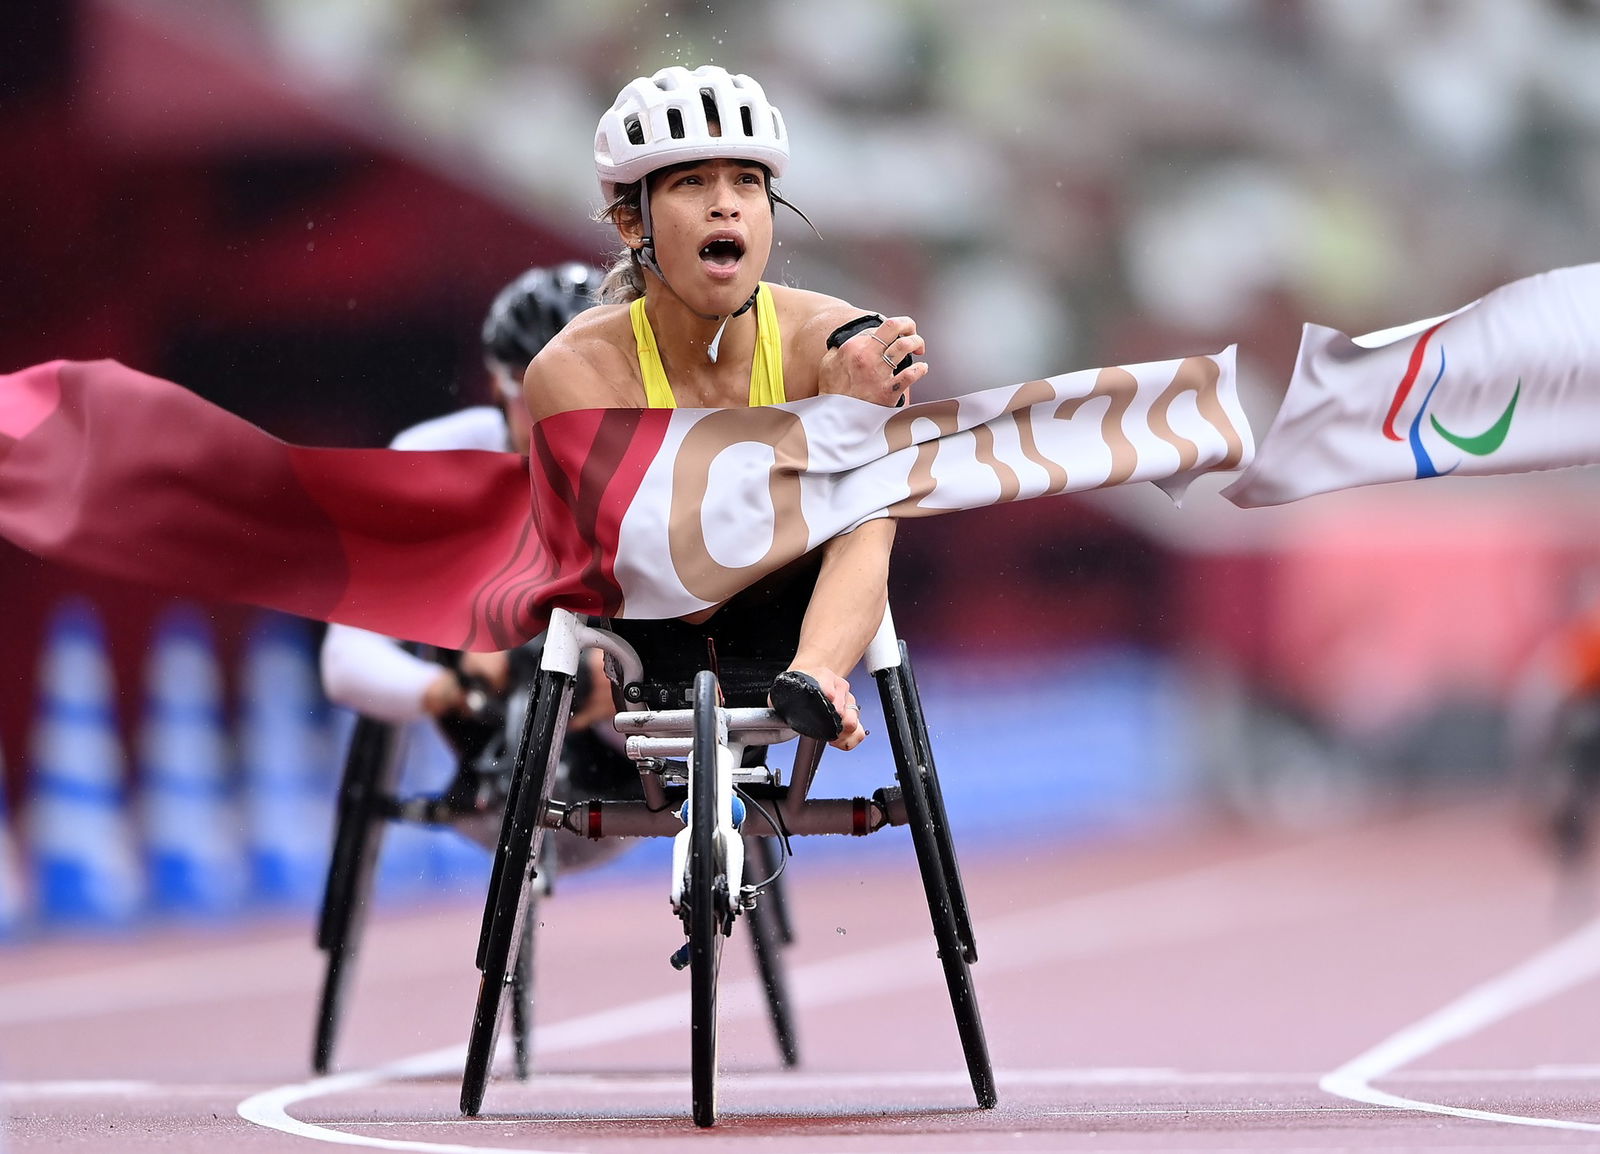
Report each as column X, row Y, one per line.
column 722, row 251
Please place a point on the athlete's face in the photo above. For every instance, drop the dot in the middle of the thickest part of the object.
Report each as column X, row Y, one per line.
column 712, row 224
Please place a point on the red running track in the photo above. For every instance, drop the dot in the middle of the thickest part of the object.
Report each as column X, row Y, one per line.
column 1401, row 984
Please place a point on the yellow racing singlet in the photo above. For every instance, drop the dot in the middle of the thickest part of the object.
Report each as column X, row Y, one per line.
column 766, row 371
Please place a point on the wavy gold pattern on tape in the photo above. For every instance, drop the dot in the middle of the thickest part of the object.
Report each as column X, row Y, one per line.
column 1120, row 386
column 1010, row 483
column 897, row 432
column 1021, row 407
column 781, row 431
column 1197, row 375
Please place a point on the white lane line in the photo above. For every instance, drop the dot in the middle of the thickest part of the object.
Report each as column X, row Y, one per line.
column 118, row 1088
column 1551, row 1073
column 1183, row 1111
column 1213, row 900
column 110, row 1088
column 270, row 1108
column 1155, row 1077
column 616, row 1084
column 563, row 1120
column 216, row 974
column 1568, row 963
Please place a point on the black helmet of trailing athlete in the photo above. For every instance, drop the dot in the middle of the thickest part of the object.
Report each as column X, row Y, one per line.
column 532, row 309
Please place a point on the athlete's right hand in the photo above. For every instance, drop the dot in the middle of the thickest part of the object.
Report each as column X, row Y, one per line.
column 450, row 690
column 444, row 694
column 493, row 669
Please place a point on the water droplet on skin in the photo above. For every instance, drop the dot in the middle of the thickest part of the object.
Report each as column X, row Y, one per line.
column 839, row 930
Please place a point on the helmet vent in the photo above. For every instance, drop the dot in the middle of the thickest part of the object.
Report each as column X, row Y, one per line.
column 745, row 120
column 675, row 123
column 634, row 129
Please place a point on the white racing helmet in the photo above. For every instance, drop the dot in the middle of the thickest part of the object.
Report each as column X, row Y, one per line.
column 662, row 120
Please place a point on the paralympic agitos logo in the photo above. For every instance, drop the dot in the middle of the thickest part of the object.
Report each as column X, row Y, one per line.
column 1480, row 445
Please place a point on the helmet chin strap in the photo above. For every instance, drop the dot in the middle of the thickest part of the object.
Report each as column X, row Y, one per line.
column 647, row 257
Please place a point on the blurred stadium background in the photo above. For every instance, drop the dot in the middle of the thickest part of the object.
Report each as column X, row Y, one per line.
column 300, row 208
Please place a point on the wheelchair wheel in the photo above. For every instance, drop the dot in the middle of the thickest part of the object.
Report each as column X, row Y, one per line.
column 767, row 938
column 776, row 899
column 1575, row 761
column 936, row 810
column 511, row 882
column 522, row 976
column 370, row 769
column 911, row 774
column 706, row 904
column 522, row 995
column 520, row 712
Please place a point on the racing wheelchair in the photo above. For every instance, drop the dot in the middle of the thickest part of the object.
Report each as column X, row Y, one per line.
column 1574, row 765
column 472, row 805
column 693, row 708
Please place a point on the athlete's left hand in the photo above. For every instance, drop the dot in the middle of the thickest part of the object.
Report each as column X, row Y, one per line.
column 865, row 365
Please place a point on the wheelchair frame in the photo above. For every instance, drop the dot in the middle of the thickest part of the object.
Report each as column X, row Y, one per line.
column 707, row 884
column 368, row 801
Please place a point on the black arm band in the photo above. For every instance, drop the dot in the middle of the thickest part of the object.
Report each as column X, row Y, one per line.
column 853, row 328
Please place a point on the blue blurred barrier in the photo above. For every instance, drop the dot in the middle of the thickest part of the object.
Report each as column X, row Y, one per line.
column 287, row 765
column 85, row 866
column 224, row 821
column 1056, row 749
column 1086, row 741
column 14, row 896
column 460, row 866
column 194, row 848
column 1049, row 748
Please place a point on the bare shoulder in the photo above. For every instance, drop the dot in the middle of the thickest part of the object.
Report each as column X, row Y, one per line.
column 811, row 316
column 806, row 320
column 588, row 365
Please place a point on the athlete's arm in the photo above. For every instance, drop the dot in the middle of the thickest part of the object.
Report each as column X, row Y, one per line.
column 846, row 608
column 374, row 676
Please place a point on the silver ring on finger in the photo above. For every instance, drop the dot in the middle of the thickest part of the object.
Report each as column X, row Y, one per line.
column 880, row 340
column 888, row 362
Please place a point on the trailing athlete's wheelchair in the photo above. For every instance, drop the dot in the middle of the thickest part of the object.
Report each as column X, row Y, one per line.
column 1573, row 759
column 698, row 726
column 473, row 804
